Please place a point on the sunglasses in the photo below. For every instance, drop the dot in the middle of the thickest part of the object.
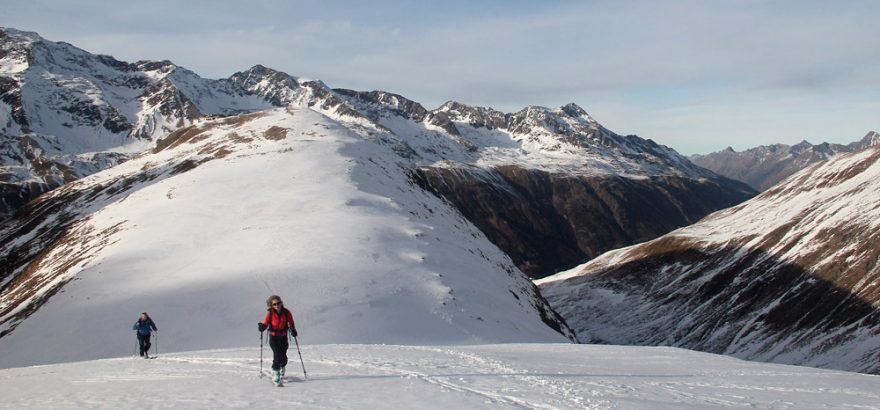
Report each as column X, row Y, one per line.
column 277, row 304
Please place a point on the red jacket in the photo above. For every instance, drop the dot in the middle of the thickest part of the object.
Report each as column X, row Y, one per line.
column 278, row 323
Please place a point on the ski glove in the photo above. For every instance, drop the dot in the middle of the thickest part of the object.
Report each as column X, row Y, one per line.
column 293, row 332
column 261, row 327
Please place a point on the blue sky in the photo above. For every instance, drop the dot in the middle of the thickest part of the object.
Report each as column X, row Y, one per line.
column 697, row 75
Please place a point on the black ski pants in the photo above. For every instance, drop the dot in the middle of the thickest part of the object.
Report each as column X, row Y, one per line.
column 144, row 342
column 279, row 345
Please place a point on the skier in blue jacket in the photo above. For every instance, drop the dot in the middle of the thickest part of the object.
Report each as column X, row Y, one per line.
column 143, row 326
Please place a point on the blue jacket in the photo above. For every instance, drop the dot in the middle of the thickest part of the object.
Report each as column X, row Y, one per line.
column 143, row 326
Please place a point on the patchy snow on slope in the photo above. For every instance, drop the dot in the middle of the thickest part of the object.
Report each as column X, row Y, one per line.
column 516, row 376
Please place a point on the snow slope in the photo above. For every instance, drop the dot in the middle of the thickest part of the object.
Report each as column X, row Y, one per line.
column 515, row 376
column 791, row 276
column 199, row 231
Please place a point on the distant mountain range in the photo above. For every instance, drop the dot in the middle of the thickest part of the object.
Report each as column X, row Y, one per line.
column 551, row 187
column 790, row 276
column 765, row 166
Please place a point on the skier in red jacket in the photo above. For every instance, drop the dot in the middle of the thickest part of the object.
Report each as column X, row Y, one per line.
column 278, row 321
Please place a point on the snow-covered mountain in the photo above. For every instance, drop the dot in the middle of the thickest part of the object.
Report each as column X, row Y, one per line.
column 764, row 166
column 511, row 376
column 66, row 113
column 551, row 187
column 207, row 189
column 564, row 140
column 790, row 276
column 199, row 230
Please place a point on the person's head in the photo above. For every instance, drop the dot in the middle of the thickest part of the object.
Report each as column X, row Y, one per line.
column 274, row 302
column 144, row 316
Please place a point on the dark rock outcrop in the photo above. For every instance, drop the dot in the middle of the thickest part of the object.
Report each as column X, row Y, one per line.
column 552, row 222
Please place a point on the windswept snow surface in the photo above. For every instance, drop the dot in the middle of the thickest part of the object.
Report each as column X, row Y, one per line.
column 515, row 376
column 286, row 202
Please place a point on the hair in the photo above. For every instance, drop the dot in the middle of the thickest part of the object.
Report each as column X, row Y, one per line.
column 271, row 298
column 145, row 314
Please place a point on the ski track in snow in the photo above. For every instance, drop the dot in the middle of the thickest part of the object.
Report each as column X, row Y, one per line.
column 447, row 382
column 514, row 376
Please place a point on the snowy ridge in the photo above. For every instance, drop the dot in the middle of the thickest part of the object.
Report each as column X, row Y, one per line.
column 790, row 276
column 562, row 140
column 535, row 376
column 202, row 228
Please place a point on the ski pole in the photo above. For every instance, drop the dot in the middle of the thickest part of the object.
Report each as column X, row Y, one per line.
column 261, row 355
column 157, row 343
column 300, row 358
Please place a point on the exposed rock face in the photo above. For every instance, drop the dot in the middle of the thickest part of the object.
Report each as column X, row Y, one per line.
column 397, row 104
column 765, row 166
column 551, row 222
column 278, row 88
column 790, row 276
column 10, row 95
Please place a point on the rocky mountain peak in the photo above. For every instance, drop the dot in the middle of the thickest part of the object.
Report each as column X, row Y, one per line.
column 523, row 121
column 260, row 69
column 29, row 50
column 261, row 72
column 16, row 50
column 575, row 111
column 277, row 87
column 801, row 146
column 478, row 117
column 163, row 67
column 10, row 37
column 396, row 103
column 870, row 139
column 451, row 106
